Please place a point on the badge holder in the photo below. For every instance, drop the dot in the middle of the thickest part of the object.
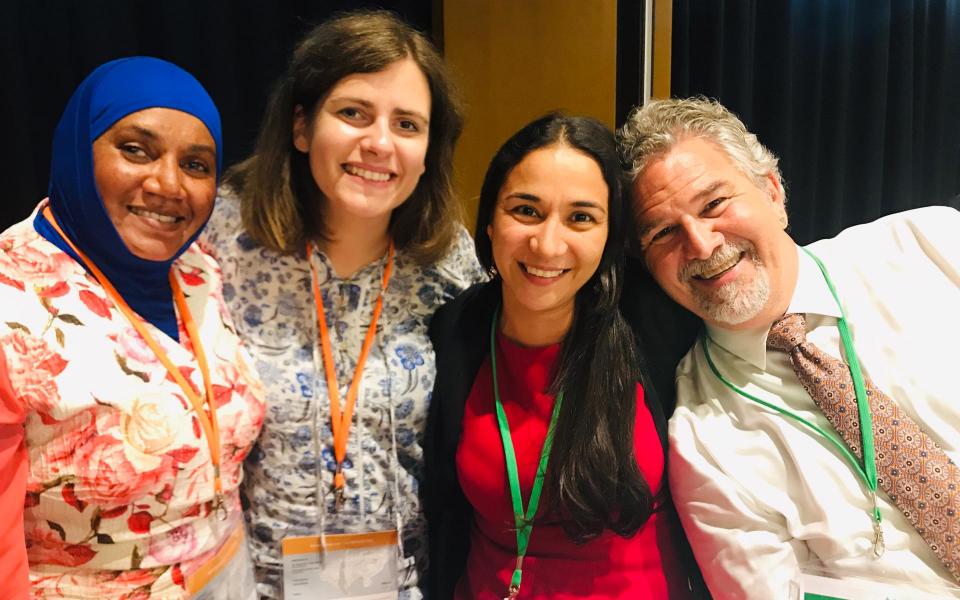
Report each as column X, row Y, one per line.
column 817, row 583
column 354, row 566
column 228, row 575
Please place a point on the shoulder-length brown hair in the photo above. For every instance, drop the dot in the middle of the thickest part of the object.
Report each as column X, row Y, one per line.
column 282, row 206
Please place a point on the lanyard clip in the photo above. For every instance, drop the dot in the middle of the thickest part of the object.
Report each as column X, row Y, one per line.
column 219, row 507
column 879, row 547
column 512, row 593
column 338, row 485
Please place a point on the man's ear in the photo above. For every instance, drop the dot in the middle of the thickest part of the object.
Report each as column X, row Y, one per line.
column 301, row 130
column 778, row 196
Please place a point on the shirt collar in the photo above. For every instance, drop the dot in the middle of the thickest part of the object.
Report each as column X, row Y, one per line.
column 811, row 295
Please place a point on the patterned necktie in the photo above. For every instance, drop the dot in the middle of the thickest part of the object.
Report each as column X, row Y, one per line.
column 911, row 468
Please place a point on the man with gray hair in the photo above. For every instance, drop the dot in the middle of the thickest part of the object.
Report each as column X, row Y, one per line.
column 818, row 419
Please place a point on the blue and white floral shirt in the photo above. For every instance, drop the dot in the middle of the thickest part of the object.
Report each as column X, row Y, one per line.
column 271, row 298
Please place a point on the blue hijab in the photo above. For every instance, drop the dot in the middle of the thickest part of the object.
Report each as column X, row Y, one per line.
column 110, row 93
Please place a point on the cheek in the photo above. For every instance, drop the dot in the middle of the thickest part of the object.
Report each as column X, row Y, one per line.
column 664, row 268
column 417, row 160
column 204, row 199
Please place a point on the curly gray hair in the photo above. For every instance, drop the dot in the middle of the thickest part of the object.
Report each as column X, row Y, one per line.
column 653, row 129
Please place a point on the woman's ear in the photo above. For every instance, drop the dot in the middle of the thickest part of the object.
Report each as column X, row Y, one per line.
column 301, row 130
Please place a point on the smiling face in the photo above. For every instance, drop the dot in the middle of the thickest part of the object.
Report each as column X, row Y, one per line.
column 547, row 235
column 155, row 170
column 713, row 238
column 367, row 142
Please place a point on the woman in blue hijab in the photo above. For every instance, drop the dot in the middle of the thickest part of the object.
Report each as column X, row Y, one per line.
column 127, row 404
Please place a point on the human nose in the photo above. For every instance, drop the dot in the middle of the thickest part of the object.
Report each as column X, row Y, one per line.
column 378, row 138
column 165, row 179
column 547, row 240
column 700, row 238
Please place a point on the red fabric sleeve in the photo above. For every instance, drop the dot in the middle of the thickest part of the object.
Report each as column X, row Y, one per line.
column 14, row 572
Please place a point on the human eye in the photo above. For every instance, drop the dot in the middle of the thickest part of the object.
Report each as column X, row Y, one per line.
column 197, row 166
column 660, row 235
column 582, row 217
column 350, row 113
column 524, row 210
column 714, row 204
column 133, row 151
column 408, row 125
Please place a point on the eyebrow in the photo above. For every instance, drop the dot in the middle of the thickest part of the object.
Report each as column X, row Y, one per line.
column 405, row 112
column 194, row 148
column 699, row 196
column 576, row 203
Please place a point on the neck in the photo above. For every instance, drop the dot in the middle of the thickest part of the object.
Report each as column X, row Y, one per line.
column 355, row 243
column 534, row 328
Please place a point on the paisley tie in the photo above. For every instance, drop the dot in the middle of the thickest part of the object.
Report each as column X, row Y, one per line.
column 911, row 468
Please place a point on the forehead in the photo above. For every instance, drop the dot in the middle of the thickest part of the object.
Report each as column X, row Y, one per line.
column 558, row 172
column 173, row 126
column 692, row 166
column 401, row 84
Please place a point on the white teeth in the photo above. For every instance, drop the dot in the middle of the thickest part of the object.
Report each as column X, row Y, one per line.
column 370, row 175
column 142, row 212
column 540, row 273
column 720, row 268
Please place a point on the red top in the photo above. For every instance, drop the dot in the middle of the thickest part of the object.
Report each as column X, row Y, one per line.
column 645, row 566
column 14, row 575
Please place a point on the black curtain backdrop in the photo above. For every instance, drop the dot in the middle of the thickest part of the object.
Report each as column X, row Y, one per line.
column 236, row 49
column 859, row 98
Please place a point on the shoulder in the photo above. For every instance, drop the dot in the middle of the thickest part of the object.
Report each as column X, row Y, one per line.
column 461, row 314
column 459, row 268
column 935, row 225
column 224, row 233
column 29, row 263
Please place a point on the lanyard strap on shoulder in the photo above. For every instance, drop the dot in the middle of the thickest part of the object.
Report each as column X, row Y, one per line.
column 868, row 470
column 523, row 520
column 207, row 418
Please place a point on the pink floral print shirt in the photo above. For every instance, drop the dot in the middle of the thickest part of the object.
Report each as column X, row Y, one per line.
column 120, row 478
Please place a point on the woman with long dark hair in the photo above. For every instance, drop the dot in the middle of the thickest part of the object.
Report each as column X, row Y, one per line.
column 537, row 394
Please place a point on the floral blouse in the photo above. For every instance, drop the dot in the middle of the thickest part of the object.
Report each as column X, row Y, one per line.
column 271, row 298
column 120, row 479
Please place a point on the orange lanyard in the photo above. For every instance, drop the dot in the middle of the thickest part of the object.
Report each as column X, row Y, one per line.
column 207, row 420
column 340, row 421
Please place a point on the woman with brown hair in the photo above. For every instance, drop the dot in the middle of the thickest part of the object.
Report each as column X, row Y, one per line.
column 339, row 237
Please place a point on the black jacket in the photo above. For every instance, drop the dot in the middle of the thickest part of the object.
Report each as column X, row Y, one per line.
column 460, row 335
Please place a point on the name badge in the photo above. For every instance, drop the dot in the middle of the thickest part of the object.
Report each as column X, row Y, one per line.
column 816, row 584
column 228, row 575
column 356, row 566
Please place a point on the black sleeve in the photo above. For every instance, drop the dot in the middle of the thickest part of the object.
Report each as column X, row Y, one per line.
column 457, row 333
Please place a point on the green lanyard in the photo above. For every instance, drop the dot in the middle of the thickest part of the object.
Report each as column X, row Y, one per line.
column 523, row 521
column 867, row 472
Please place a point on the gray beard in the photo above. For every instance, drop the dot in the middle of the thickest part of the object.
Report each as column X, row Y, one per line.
column 735, row 303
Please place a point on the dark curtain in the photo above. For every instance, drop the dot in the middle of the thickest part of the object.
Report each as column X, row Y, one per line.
column 859, row 98
column 235, row 48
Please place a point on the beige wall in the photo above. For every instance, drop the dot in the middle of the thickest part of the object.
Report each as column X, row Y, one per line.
column 517, row 59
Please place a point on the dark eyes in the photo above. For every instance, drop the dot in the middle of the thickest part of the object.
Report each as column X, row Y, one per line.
column 132, row 150
column 524, row 210
column 661, row 234
column 197, row 166
column 139, row 154
column 355, row 114
column 714, row 204
column 408, row 125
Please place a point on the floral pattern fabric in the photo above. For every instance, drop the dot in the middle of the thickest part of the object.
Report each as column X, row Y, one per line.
column 120, row 478
column 271, row 298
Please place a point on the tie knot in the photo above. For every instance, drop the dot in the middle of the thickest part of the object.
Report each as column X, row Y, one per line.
column 787, row 333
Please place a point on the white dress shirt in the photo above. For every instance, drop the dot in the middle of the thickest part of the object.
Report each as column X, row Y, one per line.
column 760, row 495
